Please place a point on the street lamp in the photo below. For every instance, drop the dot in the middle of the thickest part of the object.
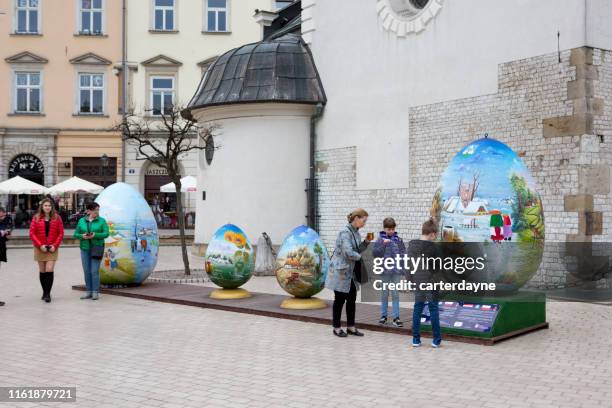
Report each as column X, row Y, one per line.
column 104, row 160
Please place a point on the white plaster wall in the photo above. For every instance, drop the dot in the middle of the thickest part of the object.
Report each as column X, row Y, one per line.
column 256, row 178
column 599, row 30
column 371, row 77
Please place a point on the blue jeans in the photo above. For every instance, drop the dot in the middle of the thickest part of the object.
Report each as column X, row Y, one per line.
column 384, row 299
column 91, row 270
column 419, row 304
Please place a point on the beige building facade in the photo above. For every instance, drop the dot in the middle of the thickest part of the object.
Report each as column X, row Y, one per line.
column 170, row 45
column 61, row 80
column 59, row 89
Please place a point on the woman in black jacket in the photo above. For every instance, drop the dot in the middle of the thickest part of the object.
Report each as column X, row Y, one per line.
column 6, row 226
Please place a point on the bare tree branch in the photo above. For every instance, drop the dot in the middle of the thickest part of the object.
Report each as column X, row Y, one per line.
column 163, row 140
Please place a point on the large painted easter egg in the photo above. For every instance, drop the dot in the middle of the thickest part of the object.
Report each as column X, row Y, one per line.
column 302, row 263
column 229, row 257
column 488, row 197
column 131, row 249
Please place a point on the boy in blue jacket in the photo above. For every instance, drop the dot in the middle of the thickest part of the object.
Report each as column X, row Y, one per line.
column 389, row 245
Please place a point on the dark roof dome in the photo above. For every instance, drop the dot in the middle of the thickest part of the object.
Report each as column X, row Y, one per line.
column 277, row 70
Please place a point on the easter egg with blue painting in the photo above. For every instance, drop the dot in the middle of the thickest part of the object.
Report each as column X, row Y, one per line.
column 487, row 202
column 131, row 249
column 229, row 259
column 302, row 263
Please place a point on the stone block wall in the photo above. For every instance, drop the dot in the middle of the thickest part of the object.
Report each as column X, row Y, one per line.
column 38, row 142
column 556, row 115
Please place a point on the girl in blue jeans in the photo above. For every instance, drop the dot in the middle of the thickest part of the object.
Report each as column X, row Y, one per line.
column 389, row 245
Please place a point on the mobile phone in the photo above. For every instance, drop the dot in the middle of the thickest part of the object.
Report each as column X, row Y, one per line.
column 48, row 247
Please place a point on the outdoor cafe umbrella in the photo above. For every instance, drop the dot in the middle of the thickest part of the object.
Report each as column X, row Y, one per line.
column 19, row 185
column 75, row 185
column 188, row 185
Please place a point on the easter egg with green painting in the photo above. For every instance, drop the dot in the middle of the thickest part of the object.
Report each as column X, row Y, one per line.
column 487, row 203
column 302, row 263
column 229, row 259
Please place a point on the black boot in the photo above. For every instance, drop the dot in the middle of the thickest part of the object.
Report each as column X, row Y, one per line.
column 48, row 286
column 43, row 280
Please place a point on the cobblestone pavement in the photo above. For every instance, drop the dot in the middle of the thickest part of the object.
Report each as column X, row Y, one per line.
column 122, row 352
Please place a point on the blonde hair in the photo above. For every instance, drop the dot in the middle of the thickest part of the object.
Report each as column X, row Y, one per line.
column 40, row 213
column 360, row 212
column 429, row 227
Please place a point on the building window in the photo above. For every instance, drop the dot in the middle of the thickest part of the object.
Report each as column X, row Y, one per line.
column 90, row 16
column 27, row 92
column 91, row 93
column 405, row 17
column 162, row 94
column 281, row 4
column 28, row 15
column 163, row 15
column 408, row 8
column 216, row 15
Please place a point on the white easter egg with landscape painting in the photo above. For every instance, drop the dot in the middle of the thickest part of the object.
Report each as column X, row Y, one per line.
column 487, row 196
column 131, row 249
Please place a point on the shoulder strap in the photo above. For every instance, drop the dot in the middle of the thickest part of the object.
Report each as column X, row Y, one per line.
column 354, row 240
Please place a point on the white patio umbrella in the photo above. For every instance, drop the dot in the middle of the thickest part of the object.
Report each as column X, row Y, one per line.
column 188, row 185
column 75, row 185
column 19, row 185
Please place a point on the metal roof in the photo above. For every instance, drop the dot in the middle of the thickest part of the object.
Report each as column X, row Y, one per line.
column 276, row 70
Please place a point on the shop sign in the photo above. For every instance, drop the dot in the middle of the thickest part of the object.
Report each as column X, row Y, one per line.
column 25, row 164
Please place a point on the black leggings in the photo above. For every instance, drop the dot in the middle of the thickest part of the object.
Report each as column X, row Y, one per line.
column 339, row 299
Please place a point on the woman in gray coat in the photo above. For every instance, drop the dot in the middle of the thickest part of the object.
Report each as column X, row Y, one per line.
column 341, row 276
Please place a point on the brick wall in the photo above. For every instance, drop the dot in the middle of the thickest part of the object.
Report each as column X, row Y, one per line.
column 556, row 116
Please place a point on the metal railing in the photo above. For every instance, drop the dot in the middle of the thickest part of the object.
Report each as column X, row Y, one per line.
column 312, row 197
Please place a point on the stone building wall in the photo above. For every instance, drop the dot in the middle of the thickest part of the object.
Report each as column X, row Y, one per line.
column 556, row 115
column 39, row 142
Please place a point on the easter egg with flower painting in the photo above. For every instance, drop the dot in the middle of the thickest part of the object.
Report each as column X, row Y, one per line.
column 229, row 259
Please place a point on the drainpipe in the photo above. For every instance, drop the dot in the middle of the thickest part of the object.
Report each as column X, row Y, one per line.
column 124, row 83
column 312, row 199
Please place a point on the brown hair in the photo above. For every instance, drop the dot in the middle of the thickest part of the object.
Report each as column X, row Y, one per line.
column 40, row 214
column 389, row 223
column 429, row 227
column 360, row 212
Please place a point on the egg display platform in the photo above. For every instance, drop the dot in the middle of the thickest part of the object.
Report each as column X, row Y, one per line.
column 265, row 304
column 490, row 316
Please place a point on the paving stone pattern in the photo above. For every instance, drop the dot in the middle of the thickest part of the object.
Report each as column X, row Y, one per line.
column 122, row 352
